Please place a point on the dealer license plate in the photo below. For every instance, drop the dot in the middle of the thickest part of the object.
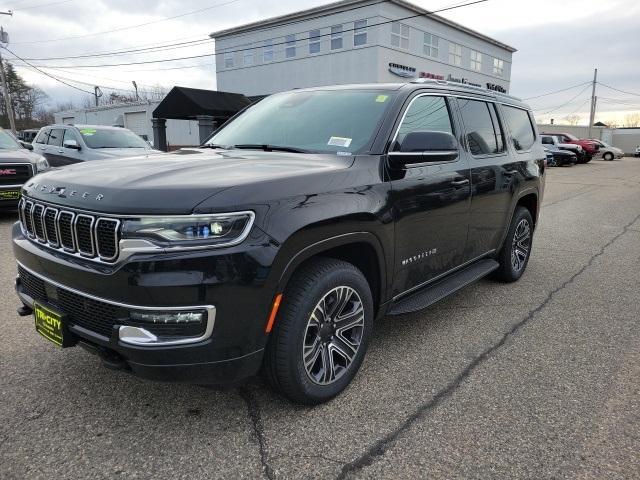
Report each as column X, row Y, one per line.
column 49, row 324
column 9, row 194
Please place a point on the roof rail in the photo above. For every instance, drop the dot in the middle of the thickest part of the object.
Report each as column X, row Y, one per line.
column 449, row 83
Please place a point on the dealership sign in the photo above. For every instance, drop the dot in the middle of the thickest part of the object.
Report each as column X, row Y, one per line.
column 402, row 70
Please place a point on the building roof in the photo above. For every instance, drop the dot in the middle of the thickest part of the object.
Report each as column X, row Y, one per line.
column 344, row 5
column 183, row 103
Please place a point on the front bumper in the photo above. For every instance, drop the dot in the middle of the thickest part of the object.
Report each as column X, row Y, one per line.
column 232, row 285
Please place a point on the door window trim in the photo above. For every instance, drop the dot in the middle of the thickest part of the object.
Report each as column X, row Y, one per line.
column 404, row 114
column 505, row 149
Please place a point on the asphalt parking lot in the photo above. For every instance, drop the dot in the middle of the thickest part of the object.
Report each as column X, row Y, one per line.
column 537, row 379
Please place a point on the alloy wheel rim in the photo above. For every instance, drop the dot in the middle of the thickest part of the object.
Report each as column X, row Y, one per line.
column 521, row 245
column 333, row 335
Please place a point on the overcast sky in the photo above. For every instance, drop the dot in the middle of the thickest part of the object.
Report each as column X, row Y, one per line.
column 559, row 44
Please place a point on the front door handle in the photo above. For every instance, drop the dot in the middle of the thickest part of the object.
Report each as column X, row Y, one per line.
column 460, row 183
column 510, row 173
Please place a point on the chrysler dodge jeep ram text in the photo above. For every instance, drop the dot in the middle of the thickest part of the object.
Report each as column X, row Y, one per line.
column 276, row 244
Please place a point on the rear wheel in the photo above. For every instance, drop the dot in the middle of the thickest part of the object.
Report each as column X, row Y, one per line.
column 514, row 254
column 321, row 332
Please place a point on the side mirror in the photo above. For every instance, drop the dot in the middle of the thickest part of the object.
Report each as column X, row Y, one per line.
column 71, row 144
column 26, row 145
column 425, row 147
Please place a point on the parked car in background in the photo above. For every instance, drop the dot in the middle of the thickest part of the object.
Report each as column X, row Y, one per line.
column 561, row 156
column 28, row 135
column 590, row 147
column 637, row 154
column 17, row 165
column 608, row 152
column 66, row 144
column 579, row 152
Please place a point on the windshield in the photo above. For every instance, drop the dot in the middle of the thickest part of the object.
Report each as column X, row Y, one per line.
column 7, row 142
column 111, row 138
column 322, row 121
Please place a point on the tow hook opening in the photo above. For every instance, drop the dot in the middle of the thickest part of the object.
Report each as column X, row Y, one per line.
column 110, row 359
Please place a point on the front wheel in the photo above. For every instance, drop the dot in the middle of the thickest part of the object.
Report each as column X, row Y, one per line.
column 514, row 254
column 608, row 156
column 321, row 332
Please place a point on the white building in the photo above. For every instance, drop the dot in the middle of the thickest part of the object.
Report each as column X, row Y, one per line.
column 356, row 41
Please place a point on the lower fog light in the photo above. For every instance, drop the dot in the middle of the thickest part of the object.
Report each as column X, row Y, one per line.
column 168, row 317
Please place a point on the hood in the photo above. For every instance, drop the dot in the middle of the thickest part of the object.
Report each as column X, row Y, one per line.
column 21, row 155
column 172, row 183
column 122, row 152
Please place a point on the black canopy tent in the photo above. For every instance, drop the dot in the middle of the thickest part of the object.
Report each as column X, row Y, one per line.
column 209, row 107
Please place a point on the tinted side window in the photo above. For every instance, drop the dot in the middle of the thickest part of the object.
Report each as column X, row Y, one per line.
column 484, row 134
column 425, row 113
column 55, row 137
column 42, row 136
column 519, row 124
column 547, row 141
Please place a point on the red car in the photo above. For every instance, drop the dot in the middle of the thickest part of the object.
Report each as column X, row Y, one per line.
column 589, row 146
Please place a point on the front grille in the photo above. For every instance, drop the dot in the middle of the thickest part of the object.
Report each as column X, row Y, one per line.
column 95, row 315
column 88, row 235
column 14, row 173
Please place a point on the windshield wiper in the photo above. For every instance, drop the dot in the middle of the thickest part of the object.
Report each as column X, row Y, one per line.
column 269, row 148
column 213, row 145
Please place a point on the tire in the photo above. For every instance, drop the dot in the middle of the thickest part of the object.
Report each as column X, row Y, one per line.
column 342, row 288
column 512, row 263
column 608, row 156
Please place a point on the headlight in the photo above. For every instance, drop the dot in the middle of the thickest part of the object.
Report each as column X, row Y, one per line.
column 223, row 229
column 42, row 164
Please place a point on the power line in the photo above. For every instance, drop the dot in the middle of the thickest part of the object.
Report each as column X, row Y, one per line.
column 455, row 6
column 48, row 74
column 42, row 5
column 618, row 90
column 205, row 40
column 157, row 48
column 556, row 91
column 568, row 102
column 229, row 2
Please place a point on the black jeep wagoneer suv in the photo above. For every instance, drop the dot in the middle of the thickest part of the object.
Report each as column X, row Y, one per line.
column 277, row 243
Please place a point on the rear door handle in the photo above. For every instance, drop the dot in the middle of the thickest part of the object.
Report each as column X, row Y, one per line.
column 460, row 183
column 510, row 173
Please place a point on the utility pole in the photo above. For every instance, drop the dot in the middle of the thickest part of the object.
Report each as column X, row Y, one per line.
column 4, row 39
column 135, row 85
column 97, row 93
column 592, row 113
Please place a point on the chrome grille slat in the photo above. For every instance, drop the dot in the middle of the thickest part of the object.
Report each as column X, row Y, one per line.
column 83, row 227
column 91, row 236
column 51, row 227
column 38, row 222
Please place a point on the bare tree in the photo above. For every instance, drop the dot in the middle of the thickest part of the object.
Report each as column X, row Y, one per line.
column 611, row 123
column 632, row 120
column 572, row 119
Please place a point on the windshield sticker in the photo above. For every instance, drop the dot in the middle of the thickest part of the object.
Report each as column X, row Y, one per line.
column 88, row 131
column 339, row 141
column 382, row 98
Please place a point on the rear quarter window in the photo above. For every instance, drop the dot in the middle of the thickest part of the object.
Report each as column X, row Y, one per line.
column 519, row 122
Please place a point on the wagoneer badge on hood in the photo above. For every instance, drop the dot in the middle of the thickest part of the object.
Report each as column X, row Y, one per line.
column 62, row 192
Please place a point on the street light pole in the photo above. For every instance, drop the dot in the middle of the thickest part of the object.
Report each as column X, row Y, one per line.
column 4, row 39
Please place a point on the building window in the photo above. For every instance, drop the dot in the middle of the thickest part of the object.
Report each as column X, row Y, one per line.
column 455, row 54
column 476, row 61
column 228, row 59
column 290, row 49
column 400, row 35
column 336, row 37
column 498, row 67
column 247, row 58
column 359, row 33
column 314, row 41
column 430, row 46
column 267, row 51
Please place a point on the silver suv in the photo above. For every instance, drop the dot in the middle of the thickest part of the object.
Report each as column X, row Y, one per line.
column 66, row 144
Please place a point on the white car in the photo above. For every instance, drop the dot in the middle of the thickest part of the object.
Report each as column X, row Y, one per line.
column 608, row 152
column 637, row 154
